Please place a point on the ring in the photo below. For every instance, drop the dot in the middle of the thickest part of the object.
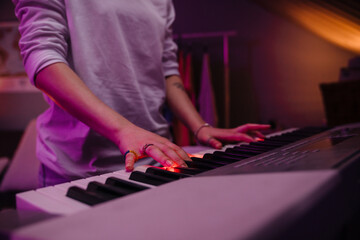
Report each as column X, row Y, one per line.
column 146, row 146
column 133, row 152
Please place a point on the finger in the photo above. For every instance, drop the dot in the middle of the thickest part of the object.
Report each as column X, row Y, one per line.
column 173, row 156
column 154, row 152
column 246, row 138
column 130, row 161
column 240, row 137
column 180, row 152
column 235, row 137
column 213, row 142
column 252, row 126
column 168, row 150
column 257, row 134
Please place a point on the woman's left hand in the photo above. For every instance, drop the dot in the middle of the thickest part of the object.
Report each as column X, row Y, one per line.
column 214, row 137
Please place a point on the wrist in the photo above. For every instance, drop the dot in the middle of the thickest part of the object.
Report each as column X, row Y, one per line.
column 196, row 132
column 123, row 131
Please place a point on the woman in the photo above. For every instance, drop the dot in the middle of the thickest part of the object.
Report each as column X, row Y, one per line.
column 106, row 68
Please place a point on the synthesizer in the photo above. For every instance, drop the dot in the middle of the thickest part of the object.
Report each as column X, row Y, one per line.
column 254, row 185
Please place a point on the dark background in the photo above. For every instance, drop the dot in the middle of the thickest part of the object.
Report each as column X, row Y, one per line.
column 276, row 65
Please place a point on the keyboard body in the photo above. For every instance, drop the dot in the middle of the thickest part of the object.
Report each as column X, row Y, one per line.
column 241, row 200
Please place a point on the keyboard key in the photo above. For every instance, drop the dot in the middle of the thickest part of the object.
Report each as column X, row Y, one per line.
column 227, row 159
column 188, row 170
column 165, row 173
column 101, row 188
column 125, row 185
column 215, row 162
column 232, row 154
column 149, row 178
column 243, row 151
column 86, row 197
column 200, row 165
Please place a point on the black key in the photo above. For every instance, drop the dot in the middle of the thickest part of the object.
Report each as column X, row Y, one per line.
column 125, row 185
column 271, row 143
column 101, row 188
column 243, row 151
column 288, row 139
column 281, row 142
column 190, row 171
column 165, row 173
column 227, row 159
column 232, row 154
column 200, row 165
column 254, row 146
column 149, row 178
column 84, row 196
column 251, row 148
column 261, row 145
column 215, row 162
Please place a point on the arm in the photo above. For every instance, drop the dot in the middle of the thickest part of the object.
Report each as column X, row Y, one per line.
column 183, row 108
column 76, row 98
column 44, row 47
column 181, row 105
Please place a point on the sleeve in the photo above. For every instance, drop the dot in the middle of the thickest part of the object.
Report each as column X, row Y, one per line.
column 170, row 64
column 44, row 33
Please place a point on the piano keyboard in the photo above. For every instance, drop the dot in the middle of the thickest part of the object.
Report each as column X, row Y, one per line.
column 69, row 198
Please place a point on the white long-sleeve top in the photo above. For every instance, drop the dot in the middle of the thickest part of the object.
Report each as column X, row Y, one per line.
column 121, row 49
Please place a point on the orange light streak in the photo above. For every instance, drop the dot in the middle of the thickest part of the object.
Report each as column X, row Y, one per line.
column 326, row 23
column 196, row 155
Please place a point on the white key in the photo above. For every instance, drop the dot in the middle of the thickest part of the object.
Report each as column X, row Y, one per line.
column 54, row 200
column 142, row 168
column 64, row 186
column 59, row 195
column 32, row 200
column 84, row 182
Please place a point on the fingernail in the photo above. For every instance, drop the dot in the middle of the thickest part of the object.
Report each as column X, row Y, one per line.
column 129, row 169
column 169, row 163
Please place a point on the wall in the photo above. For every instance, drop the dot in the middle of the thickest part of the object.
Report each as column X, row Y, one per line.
column 7, row 11
column 19, row 101
column 276, row 65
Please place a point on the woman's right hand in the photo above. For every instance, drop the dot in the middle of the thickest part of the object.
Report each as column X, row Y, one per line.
column 142, row 143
